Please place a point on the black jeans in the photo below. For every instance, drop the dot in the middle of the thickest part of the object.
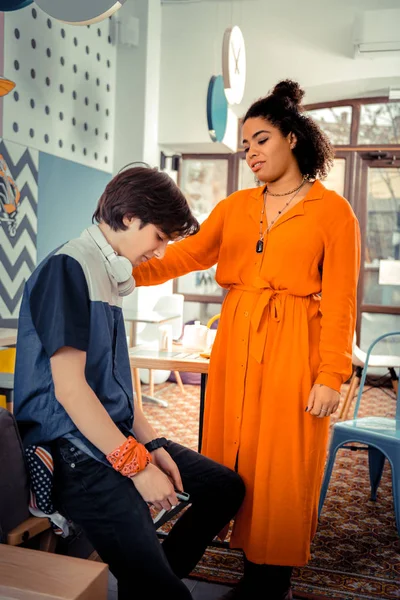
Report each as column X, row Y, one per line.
column 118, row 523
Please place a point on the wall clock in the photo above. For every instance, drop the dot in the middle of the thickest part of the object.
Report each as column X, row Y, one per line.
column 80, row 12
column 234, row 64
column 217, row 108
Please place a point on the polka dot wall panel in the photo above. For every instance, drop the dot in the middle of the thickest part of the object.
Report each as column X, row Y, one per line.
column 64, row 98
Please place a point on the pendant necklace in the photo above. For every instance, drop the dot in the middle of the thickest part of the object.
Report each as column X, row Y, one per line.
column 295, row 191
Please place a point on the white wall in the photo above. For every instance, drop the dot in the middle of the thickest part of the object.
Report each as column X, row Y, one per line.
column 310, row 41
column 138, row 75
column 151, row 151
column 137, row 109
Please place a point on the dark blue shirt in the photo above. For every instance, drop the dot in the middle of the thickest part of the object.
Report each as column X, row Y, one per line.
column 71, row 300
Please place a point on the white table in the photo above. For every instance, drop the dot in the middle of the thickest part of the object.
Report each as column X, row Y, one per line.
column 154, row 318
column 179, row 359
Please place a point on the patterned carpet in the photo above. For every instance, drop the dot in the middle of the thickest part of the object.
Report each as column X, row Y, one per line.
column 356, row 552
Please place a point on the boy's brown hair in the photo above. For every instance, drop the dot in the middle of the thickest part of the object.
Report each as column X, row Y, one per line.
column 149, row 195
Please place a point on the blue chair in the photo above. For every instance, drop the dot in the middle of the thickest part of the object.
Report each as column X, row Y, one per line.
column 382, row 437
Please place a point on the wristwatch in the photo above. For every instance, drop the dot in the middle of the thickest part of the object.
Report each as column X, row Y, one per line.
column 156, row 443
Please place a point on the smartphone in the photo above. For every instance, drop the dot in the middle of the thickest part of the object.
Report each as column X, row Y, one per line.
column 165, row 515
column 183, row 496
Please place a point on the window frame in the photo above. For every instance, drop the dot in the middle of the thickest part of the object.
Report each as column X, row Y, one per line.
column 355, row 119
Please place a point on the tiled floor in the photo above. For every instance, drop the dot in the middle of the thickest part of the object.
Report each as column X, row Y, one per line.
column 200, row 589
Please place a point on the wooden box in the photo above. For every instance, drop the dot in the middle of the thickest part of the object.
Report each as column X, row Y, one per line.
column 34, row 575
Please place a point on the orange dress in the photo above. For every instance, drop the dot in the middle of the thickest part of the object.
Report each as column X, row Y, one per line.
column 286, row 323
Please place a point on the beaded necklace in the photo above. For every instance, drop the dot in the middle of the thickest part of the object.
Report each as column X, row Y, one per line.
column 260, row 241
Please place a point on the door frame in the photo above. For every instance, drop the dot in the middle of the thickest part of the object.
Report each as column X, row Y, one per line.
column 363, row 162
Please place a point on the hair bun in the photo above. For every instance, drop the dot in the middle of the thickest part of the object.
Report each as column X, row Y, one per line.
column 289, row 89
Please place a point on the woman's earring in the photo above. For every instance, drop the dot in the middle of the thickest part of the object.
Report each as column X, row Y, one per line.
column 257, row 181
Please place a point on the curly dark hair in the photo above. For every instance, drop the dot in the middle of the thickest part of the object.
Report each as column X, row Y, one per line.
column 149, row 195
column 282, row 108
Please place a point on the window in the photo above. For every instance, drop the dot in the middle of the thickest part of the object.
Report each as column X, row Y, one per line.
column 203, row 181
column 380, row 123
column 335, row 122
column 336, row 176
column 382, row 240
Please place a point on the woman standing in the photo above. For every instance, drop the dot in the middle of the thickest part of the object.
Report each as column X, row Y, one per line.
column 288, row 252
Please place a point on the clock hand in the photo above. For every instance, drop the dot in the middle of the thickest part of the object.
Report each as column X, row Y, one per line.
column 236, row 58
column 237, row 62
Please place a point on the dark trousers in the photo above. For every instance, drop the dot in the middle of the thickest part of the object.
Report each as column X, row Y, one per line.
column 118, row 523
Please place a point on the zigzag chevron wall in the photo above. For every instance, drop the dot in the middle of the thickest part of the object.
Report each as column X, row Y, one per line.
column 18, row 226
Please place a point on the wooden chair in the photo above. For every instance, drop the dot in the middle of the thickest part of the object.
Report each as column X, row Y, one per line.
column 17, row 526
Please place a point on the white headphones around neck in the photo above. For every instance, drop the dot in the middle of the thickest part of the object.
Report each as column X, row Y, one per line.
column 119, row 267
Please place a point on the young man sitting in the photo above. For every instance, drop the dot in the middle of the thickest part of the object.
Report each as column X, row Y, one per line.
column 73, row 396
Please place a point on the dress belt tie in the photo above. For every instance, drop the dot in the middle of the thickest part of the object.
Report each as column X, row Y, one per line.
column 268, row 298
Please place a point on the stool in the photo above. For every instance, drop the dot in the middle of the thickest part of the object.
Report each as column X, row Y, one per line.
column 7, row 389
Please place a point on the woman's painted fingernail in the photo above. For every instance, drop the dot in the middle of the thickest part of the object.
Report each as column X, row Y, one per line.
column 306, row 409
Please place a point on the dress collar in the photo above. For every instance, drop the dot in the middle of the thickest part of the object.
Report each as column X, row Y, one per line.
column 316, row 192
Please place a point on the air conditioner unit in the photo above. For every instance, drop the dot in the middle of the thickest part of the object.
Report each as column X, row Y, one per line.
column 377, row 33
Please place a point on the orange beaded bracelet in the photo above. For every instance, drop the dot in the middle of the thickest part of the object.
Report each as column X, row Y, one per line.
column 130, row 458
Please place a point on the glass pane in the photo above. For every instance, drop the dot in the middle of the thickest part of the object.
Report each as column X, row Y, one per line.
column 380, row 124
column 335, row 122
column 336, row 176
column 383, row 237
column 204, row 184
column 246, row 176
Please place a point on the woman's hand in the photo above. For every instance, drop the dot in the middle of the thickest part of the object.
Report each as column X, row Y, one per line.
column 155, row 487
column 163, row 461
column 323, row 401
